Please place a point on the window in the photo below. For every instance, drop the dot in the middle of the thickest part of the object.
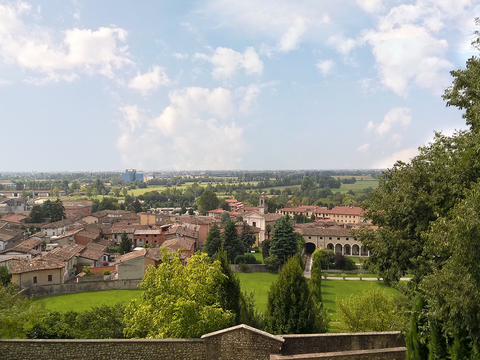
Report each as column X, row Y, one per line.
column 347, row 238
column 50, row 277
column 309, row 237
column 34, row 279
column 329, row 238
column 254, row 224
column 338, row 238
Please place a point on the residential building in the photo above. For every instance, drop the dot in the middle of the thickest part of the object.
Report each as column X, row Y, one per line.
column 27, row 249
column 36, row 272
column 9, row 237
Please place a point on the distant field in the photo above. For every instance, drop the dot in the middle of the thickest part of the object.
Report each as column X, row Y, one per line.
column 359, row 185
column 364, row 177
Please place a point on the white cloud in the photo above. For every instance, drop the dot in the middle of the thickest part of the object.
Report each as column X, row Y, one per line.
column 292, row 37
column 408, row 46
column 250, row 94
column 144, row 83
column 195, row 131
column 179, row 56
column 325, row 67
column 404, row 155
column 370, row 6
column 35, row 48
column 342, row 44
column 395, row 116
column 227, row 61
column 363, row 148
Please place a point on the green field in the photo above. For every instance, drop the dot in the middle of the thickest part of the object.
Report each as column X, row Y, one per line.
column 85, row 301
column 259, row 283
column 359, row 185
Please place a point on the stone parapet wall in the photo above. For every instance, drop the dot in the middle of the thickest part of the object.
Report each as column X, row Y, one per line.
column 322, row 343
column 240, row 342
column 170, row 349
column 373, row 354
column 68, row 288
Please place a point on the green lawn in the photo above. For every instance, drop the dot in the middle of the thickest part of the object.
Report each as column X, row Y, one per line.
column 85, row 301
column 259, row 283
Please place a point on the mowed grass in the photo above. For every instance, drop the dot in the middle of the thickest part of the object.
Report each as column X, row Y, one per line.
column 358, row 186
column 260, row 283
column 85, row 301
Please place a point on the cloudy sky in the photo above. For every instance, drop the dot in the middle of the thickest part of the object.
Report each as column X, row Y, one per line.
column 221, row 84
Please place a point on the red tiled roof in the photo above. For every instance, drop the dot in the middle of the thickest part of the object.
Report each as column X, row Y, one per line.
column 39, row 263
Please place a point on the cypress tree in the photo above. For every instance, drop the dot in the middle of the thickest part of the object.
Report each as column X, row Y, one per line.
column 230, row 292
column 233, row 245
column 126, row 244
column 284, row 243
column 316, row 280
column 213, row 242
column 416, row 349
column 290, row 307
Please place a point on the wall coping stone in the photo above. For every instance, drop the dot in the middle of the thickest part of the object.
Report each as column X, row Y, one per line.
column 342, row 355
column 246, row 327
column 375, row 333
column 102, row 341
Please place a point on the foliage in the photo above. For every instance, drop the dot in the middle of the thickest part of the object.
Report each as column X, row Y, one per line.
column 246, row 259
column 5, row 276
column 247, row 237
column 213, row 242
column 18, row 315
column 125, row 244
column 229, row 290
column 36, row 214
column 374, row 310
column 106, row 272
column 290, row 308
column 87, row 271
column 452, row 290
column 284, row 242
column 232, row 244
column 272, row 263
column 416, row 343
column 224, row 217
column 207, row 201
column 326, row 258
column 178, row 301
column 265, row 248
column 322, row 318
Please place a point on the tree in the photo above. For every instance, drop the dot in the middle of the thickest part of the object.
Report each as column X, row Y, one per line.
column 125, row 244
column 95, row 192
column 137, row 207
column 322, row 318
column 284, row 242
column 247, row 237
column 36, row 215
column 18, row 315
column 373, row 310
column 213, row 242
column 229, row 292
column 290, row 308
column 326, row 257
column 178, row 301
column 224, row 217
column 268, row 229
column 207, row 201
column 124, row 191
column 116, row 192
column 232, row 244
column 5, row 277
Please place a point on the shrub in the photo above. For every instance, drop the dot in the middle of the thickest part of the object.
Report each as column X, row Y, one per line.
column 360, row 276
column 340, row 261
column 325, row 275
column 87, row 271
column 106, row 272
column 272, row 263
column 349, row 264
column 245, row 259
column 344, row 276
column 327, row 257
column 105, row 263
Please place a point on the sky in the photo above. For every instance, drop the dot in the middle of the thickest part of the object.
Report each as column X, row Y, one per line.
column 226, row 85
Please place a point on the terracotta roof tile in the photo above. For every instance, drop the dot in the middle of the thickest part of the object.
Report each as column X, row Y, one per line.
column 39, row 263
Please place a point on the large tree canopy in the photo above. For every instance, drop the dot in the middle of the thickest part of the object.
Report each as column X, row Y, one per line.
column 284, row 243
column 179, row 301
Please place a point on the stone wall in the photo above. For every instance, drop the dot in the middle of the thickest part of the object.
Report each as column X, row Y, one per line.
column 39, row 291
column 240, row 342
column 170, row 349
column 321, row 343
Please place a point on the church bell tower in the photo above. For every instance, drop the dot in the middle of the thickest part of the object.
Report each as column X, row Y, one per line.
column 263, row 206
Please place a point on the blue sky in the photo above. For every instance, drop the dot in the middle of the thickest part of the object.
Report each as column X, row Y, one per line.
column 217, row 84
